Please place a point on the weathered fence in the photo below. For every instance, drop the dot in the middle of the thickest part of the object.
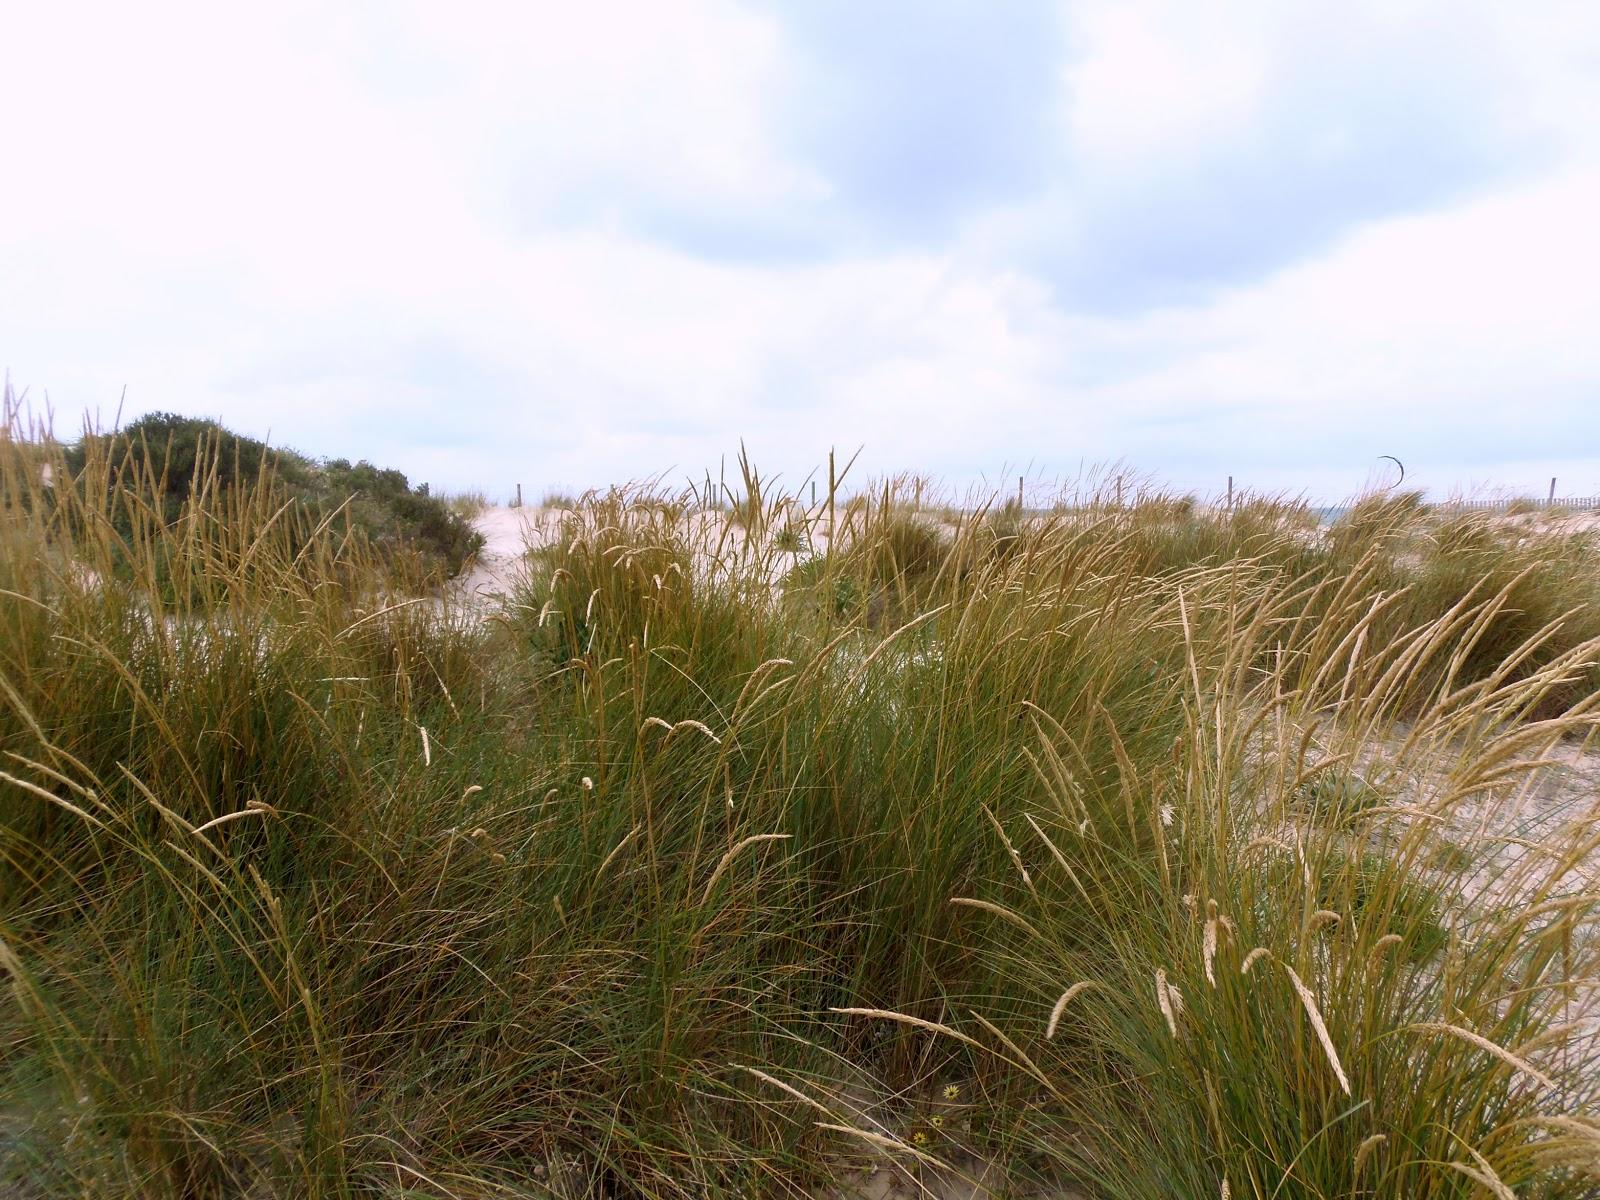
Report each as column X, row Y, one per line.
column 1523, row 503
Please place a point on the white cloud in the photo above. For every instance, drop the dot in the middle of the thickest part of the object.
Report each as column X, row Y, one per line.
column 454, row 240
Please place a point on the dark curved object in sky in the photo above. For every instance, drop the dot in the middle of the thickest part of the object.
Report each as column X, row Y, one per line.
column 1397, row 463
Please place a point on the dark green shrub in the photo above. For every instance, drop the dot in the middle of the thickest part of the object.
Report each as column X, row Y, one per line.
column 179, row 459
column 180, row 455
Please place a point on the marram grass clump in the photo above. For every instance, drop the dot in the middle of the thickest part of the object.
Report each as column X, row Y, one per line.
column 1125, row 851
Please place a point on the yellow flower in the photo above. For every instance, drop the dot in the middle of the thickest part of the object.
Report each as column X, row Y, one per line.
column 920, row 1138
column 952, row 1092
column 936, row 1121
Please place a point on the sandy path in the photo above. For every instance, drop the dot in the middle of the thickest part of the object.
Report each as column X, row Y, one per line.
column 508, row 534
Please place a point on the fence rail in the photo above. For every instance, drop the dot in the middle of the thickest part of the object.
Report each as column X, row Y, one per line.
column 1575, row 503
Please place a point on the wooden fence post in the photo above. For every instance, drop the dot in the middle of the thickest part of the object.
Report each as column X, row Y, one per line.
column 833, row 485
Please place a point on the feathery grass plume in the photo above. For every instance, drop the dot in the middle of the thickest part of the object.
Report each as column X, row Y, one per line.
column 733, row 852
column 1060, row 1006
column 1484, row 1174
column 1310, row 1003
column 1368, row 1146
column 1488, row 1047
column 1208, row 948
column 1164, row 1001
column 1011, row 850
column 1382, row 945
column 905, row 1019
column 988, row 906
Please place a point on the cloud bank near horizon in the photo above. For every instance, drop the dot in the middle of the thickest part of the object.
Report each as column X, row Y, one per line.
column 567, row 245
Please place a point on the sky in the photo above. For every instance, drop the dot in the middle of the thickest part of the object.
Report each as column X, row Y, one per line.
column 565, row 245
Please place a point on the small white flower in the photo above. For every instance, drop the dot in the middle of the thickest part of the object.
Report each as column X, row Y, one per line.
column 1167, row 813
column 587, row 784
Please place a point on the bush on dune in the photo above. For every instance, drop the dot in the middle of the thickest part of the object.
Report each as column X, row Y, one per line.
column 177, row 461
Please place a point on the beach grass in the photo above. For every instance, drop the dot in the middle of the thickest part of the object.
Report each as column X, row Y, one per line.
column 1153, row 851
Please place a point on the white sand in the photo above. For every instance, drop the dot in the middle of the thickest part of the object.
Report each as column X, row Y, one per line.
column 508, row 534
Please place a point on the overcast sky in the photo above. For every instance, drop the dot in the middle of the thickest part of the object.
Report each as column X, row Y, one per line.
column 567, row 244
